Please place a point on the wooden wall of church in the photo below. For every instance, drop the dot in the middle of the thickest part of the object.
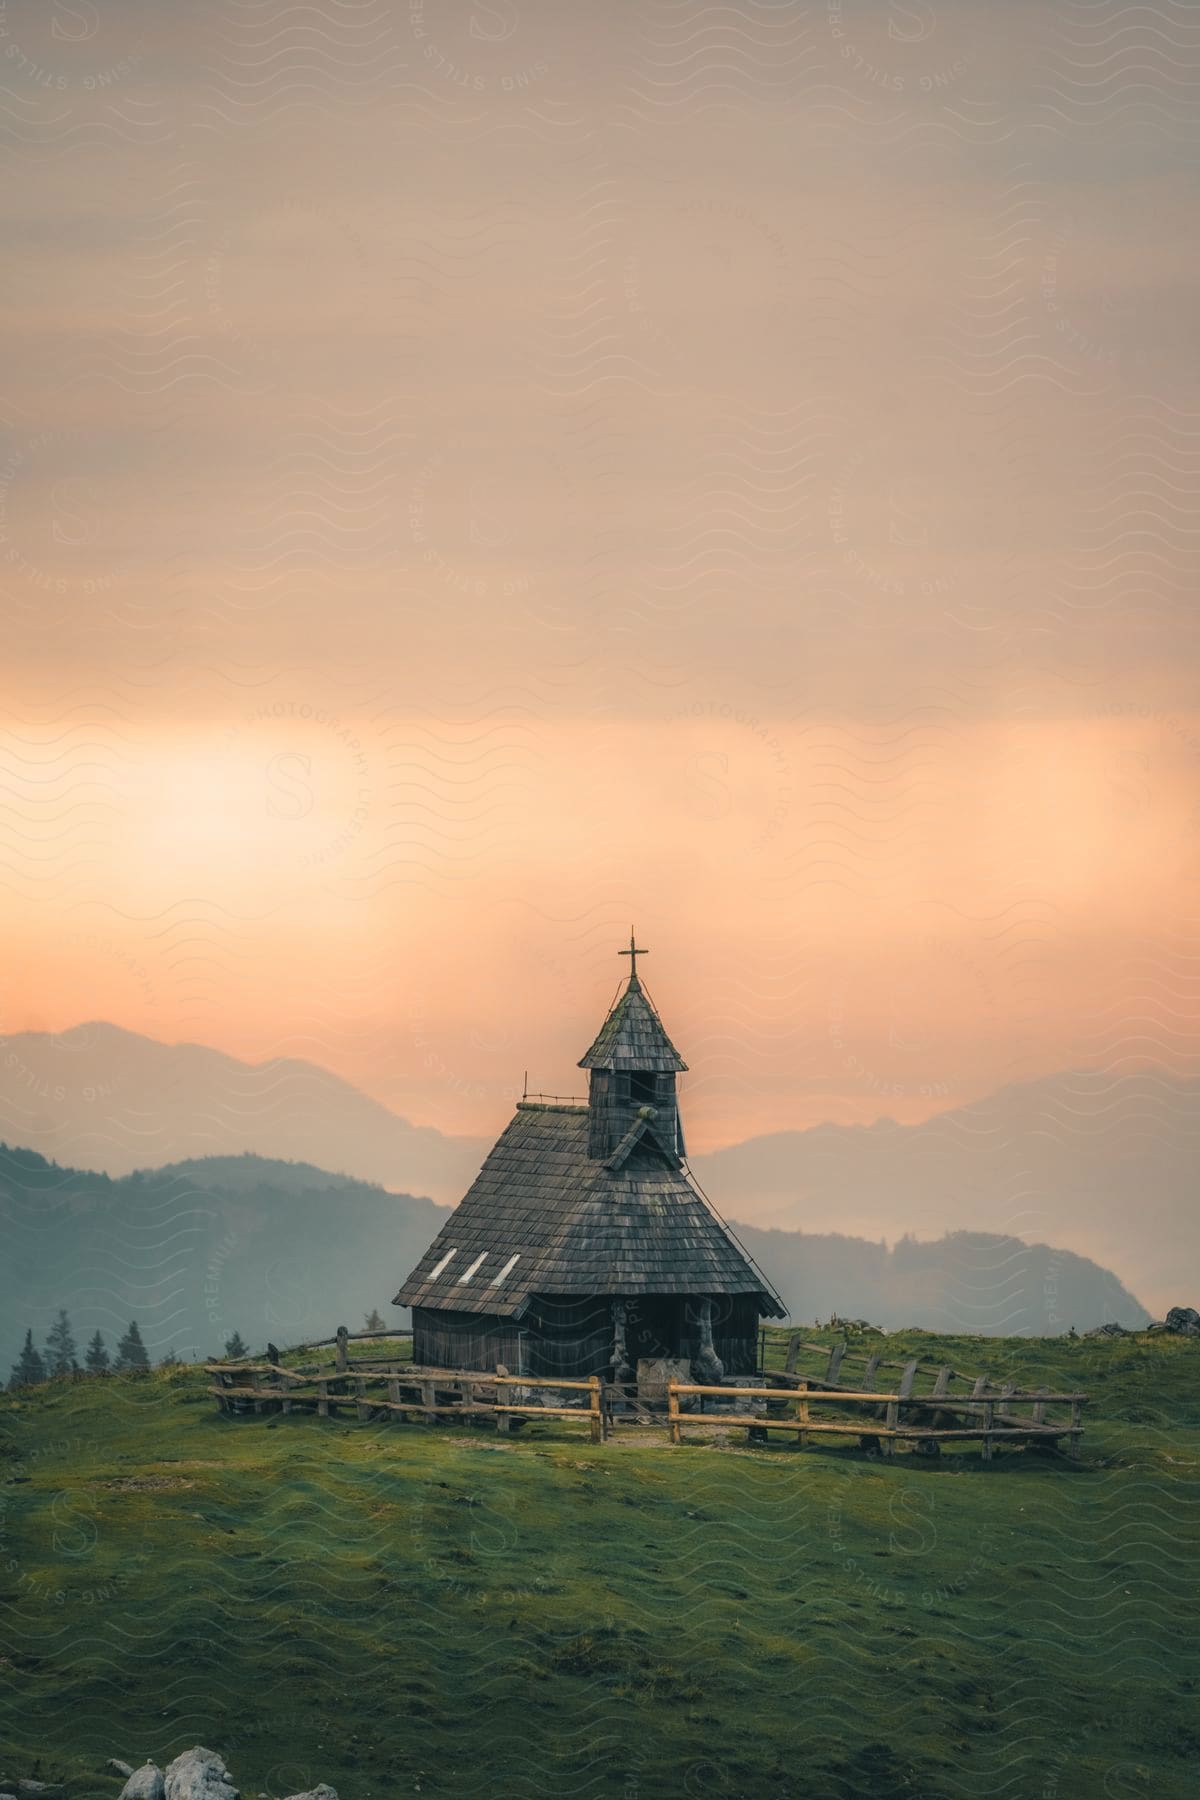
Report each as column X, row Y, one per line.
column 572, row 1336
column 448, row 1340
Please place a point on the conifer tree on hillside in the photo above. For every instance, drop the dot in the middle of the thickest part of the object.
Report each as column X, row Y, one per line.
column 61, row 1358
column 97, row 1357
column 131, row 1352
column 374, row 1322
column 170, row 1360
column 29, row 1368
column 235, row 1347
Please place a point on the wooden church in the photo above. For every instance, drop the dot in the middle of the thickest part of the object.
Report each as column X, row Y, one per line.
column 583, row 1247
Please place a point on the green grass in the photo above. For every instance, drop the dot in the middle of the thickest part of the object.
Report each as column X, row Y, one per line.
column 425, row 1609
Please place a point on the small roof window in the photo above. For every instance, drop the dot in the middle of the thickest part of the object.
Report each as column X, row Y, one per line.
column 507, row 1269
column 471, row 1268
column 438, row 1267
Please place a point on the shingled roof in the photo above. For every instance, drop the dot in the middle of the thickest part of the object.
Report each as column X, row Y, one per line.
column 633, row 1036
column 542, row 1217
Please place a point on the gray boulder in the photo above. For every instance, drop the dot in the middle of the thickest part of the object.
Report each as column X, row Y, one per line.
column 199, row 1774
column 145, row 1783
column 318, row 1793
column 1110, row 1330
column 115, row 1766
column 1185, row 1320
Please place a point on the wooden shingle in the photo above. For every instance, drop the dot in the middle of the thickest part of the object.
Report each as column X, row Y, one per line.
column 633, row 1037
column 544, row 1217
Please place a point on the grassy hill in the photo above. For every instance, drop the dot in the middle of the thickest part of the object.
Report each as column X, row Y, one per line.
column 409, row 1609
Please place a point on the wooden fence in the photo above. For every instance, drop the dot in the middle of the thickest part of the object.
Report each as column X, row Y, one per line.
column 879, row 1418
column 407, row 1392
column 834, row 1355
column 891, row 1418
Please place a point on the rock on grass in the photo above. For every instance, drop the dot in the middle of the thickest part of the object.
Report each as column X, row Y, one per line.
column 199, row 1774
column 145, row 1783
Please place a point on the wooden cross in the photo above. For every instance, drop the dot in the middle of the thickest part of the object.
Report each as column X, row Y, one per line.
column 634, row 951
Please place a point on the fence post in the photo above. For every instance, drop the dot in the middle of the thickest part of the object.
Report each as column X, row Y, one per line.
column 793, row 1351
column 343, row 1354
column 989, row 1414
column 894, row 1411
column 907, row 1379
column 802, row 1415
column 323, row 1398
column 673, row 1410
column 835, row 1362
column 597, row 1426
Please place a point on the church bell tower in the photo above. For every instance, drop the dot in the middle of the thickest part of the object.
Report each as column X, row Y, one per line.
column 632, row 1067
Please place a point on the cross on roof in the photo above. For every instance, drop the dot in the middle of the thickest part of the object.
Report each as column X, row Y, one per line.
column 634, row 951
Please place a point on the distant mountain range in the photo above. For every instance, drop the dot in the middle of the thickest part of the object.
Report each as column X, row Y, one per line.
column 98, row 1097
column 1104, row 1166
column 286, row 1252
column 196, row 1251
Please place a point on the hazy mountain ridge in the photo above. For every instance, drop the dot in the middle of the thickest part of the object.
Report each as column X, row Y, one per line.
column 966, row 1281
column 286, row 1252
column 245, row 1174
column 1105, row 1165
column 1102, row 1164
column 100, row 1097
column 278, row 1254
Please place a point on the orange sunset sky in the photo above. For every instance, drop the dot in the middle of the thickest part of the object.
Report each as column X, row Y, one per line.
column 471, row 481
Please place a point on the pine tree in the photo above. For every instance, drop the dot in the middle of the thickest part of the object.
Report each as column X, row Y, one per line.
column 374, row 1322
column 170, row 1360
column 131, row 1352
column 235, row 1348
column 60, row 1347
column 29, row 1368
column 97, row 1357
